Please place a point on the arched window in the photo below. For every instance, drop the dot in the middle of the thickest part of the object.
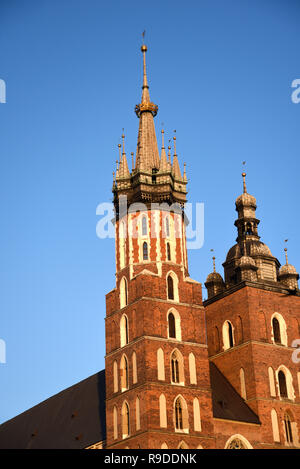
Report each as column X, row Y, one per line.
column 170, row 288
column 175, row 368
column 197, row 418
column 180, row 415
column 288, row 428
column 238, row 442
column 123, row 293
column 144, row 226
column 243, row 383
column 124, row 373
column 272, row 382
column 162, row 411
column 124, row 335
column 192, row 366
column 177, row 371
column 137, row 414
column 134, row 368
column 275, row 428
column 145, row 251
column 282, row 384
column 168, row 252
column 172, row 327
column 279, row 334
column 115, row 422
column 228, row 339
column 116, row 387
column 160, row 365
column 125, row 420
column 276, row 331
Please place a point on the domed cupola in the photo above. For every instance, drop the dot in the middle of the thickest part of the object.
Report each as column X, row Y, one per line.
column 214, row 282
column 249, row 259
column 288, row 274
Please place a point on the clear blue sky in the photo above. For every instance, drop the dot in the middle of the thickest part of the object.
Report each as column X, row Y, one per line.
column 221, row 73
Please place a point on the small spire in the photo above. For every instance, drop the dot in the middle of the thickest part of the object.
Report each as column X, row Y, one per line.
column 175, row 168
column 244, row 182
column 174, row 138
column 169, row 151
column 285, row 251
column 123, row 143
column 163, row 166
column 120, row 155
column 132, row 160
column 145, row 95
column 286, row 256
column 214, row 261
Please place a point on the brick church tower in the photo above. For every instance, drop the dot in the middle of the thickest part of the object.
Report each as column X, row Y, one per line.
column 253, row 318
column 157, row 371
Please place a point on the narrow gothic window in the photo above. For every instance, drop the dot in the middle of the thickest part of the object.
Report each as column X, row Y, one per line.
column 170, row 288
column 123, row 293
column 175, row 368
column 282, row 384
column 144, row 226
column 276, row 331
column 124, row 335
column 145, row 251
column 168, row 252
column 178, row 415
column 124, row 374
column 172, row 328
column 288, row 428
column 125, row 420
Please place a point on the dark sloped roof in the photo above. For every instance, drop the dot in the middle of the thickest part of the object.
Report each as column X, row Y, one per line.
column 73, row 418
column 227, row 403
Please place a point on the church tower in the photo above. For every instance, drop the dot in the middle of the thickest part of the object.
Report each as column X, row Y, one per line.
column 253, row 318
column 157, row 372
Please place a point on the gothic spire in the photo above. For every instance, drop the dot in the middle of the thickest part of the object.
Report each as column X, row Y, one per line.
column 163, row 159
column 147, row 155
column 175, row 168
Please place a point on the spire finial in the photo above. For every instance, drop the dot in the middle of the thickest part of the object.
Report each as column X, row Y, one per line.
column 169, row 151
column 174, row 139
column 244, row 182
column 285, row 251
column 162, row 138
column 123, row 142
column 120, row 157
column 144, row 50
column 214, row 261
column 244, row 179
column 132, row 159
